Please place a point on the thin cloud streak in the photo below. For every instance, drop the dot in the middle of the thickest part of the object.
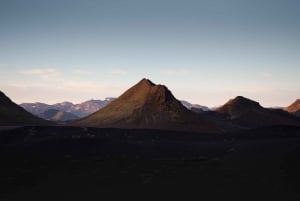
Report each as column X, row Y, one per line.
column 68, row 90
column 81, row 72
column 175, row 72
column 265, row 74
column 48, row 73
column 118, row 72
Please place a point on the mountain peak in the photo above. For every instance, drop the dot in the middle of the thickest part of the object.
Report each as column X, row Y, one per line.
column 146, row 81
column 239, row 105
column 249, row 113
column 144, row 91
column 147, row 105
column 242, row 100
column 4, row 100
column 294, row 107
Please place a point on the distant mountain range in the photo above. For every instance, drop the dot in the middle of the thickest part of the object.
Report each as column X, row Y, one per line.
column 79, row 110
column 57, row 115
column 76, row 111
column 150, row 106
column 191, row 106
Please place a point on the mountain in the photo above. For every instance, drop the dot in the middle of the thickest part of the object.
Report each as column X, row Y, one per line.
column 88, row 107
column 240, row 106
column 13, row 115
column 147, row 105
column 191, row 106
column 57, row 115
column 294, row 108
column 35, row 108
column 81, row 110
column 64, row 106
column 248, row 113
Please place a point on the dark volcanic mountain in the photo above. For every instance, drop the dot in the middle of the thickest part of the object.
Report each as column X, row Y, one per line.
column 147, row 105
column 294, row 108
column 248, row 113
column 240, row 106
column 57, row 115
column 13, row 115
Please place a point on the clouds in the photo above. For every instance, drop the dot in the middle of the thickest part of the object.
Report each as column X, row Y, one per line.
column 53, row 85
column 118, row 72
column 81, row 72
column 175, row 72
column 47, row 74
column 265, row 74
column 50, row 85
column 4, row 65
column 57, row 79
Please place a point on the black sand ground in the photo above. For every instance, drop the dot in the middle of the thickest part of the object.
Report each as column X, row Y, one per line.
column 65, row 163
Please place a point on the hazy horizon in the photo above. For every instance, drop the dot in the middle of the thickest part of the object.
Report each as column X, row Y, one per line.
column 205, row 52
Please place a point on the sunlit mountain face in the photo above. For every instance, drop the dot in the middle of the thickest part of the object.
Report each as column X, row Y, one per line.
column 294, row 108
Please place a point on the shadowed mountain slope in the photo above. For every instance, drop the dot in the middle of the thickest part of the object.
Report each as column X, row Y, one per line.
column 239, row 106
column 248, row 113
column 146, row 105
column 13, row 115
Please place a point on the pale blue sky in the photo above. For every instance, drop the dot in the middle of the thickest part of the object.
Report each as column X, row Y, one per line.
column 205, row 51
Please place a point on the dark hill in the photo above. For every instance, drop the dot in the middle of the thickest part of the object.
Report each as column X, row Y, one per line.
column 13, row 115
column 239, row 106
column 248, row 113
column 146, row 105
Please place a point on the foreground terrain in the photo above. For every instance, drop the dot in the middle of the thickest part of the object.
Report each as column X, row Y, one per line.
column 79, row 163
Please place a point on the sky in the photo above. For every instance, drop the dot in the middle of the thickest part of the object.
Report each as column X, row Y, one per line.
column 204, row 51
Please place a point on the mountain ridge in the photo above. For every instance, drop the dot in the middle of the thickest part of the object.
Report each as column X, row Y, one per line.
column 294, row 108
column 147, row 105
column 57, row 115
column 251, row 114
column 81, row 110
